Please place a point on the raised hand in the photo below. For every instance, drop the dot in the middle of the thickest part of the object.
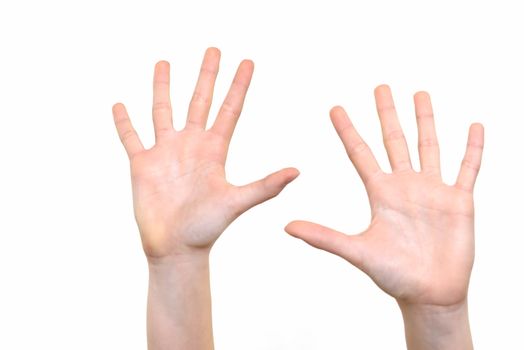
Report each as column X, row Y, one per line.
column 182, row 201
column 419, row 246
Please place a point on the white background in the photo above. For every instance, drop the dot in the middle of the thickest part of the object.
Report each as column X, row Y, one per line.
column 73, row 275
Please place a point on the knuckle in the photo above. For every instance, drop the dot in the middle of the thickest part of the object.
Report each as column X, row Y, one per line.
column 193, row 122
column 162, row 83
column 346, row 130
column 471, row 164
column 402, row 165
column 200, row 98
column 161, row 106
column 389, row 108
column 394, row 135
column 357, row 147
column 240, row 85
column 127, row 134
column 229, row 109
column 425, row 115
column 270, row 188
column 427, row 142
column 121, row 122
column 204, row 70
column 463, row 187
column 163, row 131
column 475, row 145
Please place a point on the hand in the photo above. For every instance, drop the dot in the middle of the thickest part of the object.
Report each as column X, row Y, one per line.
column 182, row 201
column 419, row 246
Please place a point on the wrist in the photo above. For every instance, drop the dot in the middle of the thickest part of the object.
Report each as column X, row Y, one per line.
column 179, row 302
column 436, row 326
column 191, row 263
column 185, row 257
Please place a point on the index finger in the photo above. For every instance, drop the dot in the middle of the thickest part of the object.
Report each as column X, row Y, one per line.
column 358, row 151
column 126, row 132
column 230, row 111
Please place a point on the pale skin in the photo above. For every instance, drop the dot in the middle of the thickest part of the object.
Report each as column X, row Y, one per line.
column 183, row 202
column 419, row 246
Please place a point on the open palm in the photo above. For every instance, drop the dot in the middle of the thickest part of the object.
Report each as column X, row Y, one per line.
column 419, row 246
column 182, row 201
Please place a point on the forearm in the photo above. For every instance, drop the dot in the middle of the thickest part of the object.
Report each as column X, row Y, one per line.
column 437, row 327
column 179, row 304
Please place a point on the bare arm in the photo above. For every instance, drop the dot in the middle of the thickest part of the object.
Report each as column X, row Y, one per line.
column 182, row 201
column 419, row 246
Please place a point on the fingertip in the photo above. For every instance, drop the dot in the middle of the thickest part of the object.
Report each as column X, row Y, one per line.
column 245, row 72
column 476, row 134
column 161, row 72
column 382, row 89
column 162, row 64
column 118, row 105
column 335, row 110
column 340, row 119
column 215, row 51
column 477, row 126
column 118, row 108
column 284, row 177
column 291, row 227
column 337, row 113
column 292, row 174
column 421, row 95
column 249, row 64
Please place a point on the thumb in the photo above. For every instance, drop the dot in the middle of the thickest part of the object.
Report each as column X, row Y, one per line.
column 260, row 191
column 347, row 247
